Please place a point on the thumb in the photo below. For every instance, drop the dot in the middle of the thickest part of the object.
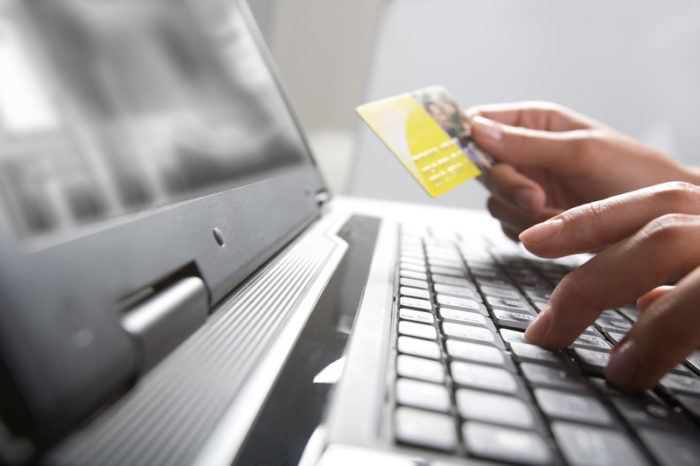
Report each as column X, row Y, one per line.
column 528, row 147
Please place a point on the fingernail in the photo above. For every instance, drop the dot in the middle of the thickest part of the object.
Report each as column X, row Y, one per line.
column 525, row 199
column 488, row 128
column 538, row 329
column 542, row 231
column 624, row 364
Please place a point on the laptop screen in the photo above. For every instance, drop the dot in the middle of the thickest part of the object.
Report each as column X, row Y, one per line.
column 118, row 106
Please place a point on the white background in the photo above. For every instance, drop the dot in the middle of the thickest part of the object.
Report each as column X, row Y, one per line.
column 634, row 65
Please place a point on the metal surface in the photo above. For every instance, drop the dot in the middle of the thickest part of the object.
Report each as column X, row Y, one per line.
column 297, row 404
column 361, row 388
column 166, row 319
column 196, row 405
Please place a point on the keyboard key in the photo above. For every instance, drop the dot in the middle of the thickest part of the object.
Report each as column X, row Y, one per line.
column 527, row 352
column 421, row 369
column 412, row 256
column 682, row 369
column 508, row 303
column 481, row 309
column 454, row 281
column 592, row 342
column 484, row 262
column 526, row 279
column 495, row 409
column 446, row 252
column 413, row 274
column 572, row 407
column 681, row 383
column 470, row 332
column 607, row 389
column 425, row 429
column 616, row 337
column 550, row 266
column 644, row 411
column 412, row 282
column 610, row 314
column 413, row 266
column 412, row 248
column 591, row 446
column 672, row 448
column 483, row 377
column 415, row 303
column 418, row 347
column 501, row 291
column 466, row 317
column 414, row 259
column 694, row 360
column 515, row 320
column 690, row 403
column 538, row 285
column 458, row 291
column 591, row 330
column 414, row 292
column 457, row 302
column 416, row 316
column 539, row 305
column 450, row 271
column 630, row 312
column 439, row 264
column 476, row 255
column 468, row 291
column 483, row 281
column 614, row 325
column 512, row 336
column 592, row 362
column 553, row 277
column 414, row 329
column 475, row 352
column 548, row 376
column 422, row 395
column 537, row 294
column 489, row 272
column 503, row 444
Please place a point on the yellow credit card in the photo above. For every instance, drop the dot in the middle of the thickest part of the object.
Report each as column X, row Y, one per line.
column 429, row 134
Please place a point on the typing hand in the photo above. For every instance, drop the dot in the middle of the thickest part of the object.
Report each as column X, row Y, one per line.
column 647, row 238
column 553, row 159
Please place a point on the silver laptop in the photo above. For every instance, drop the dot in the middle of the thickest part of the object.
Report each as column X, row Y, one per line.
column 178, row 287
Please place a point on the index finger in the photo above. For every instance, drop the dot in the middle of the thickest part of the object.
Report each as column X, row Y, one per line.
column 593, row 226
column 666, row 249
column 543, row 116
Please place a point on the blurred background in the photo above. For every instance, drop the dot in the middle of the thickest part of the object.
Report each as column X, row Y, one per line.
column 632, row 64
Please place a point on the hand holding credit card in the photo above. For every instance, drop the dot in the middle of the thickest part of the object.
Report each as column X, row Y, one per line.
column 430, row 135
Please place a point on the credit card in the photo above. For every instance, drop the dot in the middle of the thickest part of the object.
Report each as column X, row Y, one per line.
column 429, row 133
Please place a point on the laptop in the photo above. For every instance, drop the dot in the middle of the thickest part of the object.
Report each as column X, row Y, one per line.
column 179, row 287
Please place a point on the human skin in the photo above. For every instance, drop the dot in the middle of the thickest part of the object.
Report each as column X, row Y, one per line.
column 586, row 187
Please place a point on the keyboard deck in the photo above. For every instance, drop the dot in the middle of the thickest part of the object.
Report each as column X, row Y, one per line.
column 467, row 384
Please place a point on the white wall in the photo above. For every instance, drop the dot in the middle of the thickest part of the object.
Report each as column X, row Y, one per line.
column 632, row 64
column 323, row 50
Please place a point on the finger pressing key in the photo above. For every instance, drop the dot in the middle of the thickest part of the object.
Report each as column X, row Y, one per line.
column 664, row 335
column 666, row 249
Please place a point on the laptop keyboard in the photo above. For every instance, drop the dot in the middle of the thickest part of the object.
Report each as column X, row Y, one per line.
column 467, row 384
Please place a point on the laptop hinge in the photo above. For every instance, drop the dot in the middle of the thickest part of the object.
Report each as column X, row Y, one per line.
column 163, row 321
